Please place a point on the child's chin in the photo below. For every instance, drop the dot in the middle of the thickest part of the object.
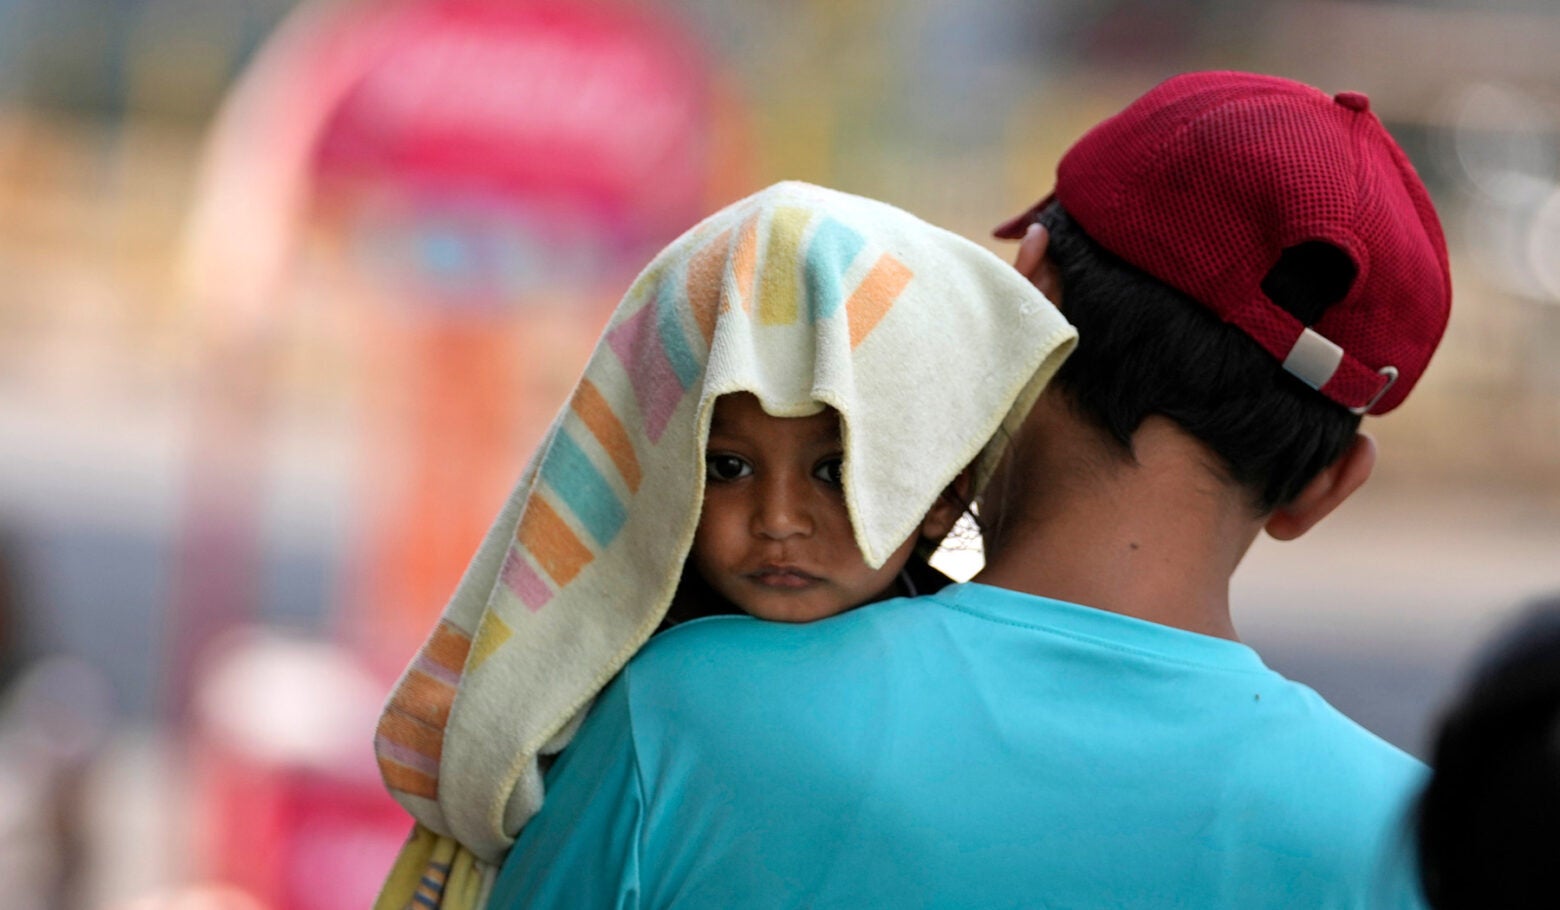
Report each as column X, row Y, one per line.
column 793, row 612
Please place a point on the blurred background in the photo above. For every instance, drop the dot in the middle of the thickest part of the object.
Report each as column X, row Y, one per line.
column 289, row 290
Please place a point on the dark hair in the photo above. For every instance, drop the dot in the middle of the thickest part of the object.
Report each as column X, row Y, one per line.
column 1145, row 348
column 1490, row 818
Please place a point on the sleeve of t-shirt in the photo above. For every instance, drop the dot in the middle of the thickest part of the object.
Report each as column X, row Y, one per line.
column 581, row 850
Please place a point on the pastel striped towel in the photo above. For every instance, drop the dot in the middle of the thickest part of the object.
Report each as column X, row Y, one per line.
column 925, row 343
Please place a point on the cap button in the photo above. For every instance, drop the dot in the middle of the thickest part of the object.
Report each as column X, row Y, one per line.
column 1354, row 101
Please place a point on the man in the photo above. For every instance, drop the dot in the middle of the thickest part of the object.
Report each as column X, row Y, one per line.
column 1251, row 265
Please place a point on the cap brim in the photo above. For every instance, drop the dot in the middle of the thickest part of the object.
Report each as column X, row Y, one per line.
column 1014, row 228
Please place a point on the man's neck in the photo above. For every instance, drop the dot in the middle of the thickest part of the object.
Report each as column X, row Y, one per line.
column 1157, row 540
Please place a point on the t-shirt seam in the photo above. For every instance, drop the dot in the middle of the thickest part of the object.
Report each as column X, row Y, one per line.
column 1098, row 642
column 639, row 785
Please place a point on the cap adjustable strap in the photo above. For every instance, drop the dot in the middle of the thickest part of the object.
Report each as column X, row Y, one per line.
column 1315, row 360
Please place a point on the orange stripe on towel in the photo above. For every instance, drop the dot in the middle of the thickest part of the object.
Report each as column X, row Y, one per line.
column 550, row 541
column 407, row 780
column 705, row 278
column 413, row 734
column 448, row 647
column 875, row 296
column 424, row 699
column 744, row 263
column 604, row 424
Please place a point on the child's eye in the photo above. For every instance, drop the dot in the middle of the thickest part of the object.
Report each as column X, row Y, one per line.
column 830, row 471
column 725, row 467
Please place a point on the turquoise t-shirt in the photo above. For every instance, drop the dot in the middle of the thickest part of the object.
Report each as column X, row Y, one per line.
column 973, row 748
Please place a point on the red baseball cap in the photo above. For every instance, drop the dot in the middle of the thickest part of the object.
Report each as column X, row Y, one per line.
column 1206, row 179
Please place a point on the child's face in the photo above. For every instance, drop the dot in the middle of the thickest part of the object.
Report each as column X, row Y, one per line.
column 774, row 537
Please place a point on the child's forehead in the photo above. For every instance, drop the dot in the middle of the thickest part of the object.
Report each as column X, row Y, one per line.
column 743, row 412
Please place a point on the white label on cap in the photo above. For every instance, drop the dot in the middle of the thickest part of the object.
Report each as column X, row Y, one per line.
column 1313, row 359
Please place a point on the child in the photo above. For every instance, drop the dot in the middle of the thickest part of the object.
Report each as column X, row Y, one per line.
column 834, row 364
column 774, row 538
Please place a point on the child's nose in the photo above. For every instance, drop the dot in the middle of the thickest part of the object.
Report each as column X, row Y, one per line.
column 782, row 510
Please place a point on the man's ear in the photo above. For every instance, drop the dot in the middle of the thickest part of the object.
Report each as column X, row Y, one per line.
column 1325, row 492
column 1031, row 261
column 945, row 512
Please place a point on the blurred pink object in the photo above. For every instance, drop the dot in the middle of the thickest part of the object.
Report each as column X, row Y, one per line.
column 470, row 183
column 289, row 807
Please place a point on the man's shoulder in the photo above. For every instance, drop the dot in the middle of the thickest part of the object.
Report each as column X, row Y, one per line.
column 1326, row 786
column 714, row 672
column 718, row 642
column 1355, row 762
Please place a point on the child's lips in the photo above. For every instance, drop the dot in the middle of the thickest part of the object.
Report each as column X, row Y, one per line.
column 783, row 577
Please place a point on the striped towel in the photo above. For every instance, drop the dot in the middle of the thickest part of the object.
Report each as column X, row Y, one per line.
column 925, row 343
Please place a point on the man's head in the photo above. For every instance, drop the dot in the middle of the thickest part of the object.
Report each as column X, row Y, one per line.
column 1251, row 258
